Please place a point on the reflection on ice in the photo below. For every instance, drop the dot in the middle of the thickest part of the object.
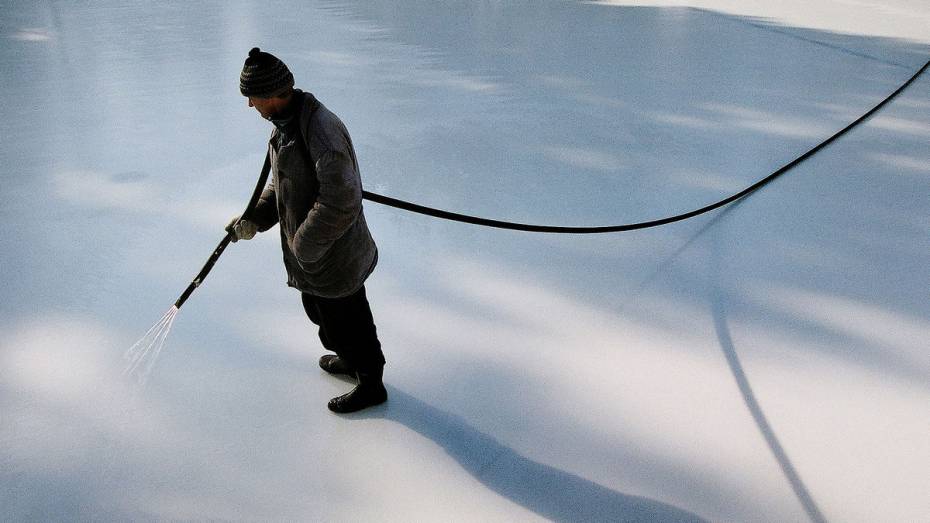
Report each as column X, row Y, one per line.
column 768, row 122
column 579, row 157
column 905, row 164
column 906, row 126
column 136, row 193
column 32, row 35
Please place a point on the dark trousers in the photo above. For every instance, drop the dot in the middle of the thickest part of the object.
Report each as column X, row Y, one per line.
column 347, row 328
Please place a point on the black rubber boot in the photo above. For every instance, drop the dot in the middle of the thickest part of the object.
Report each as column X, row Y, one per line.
column 334, row 365
column 370, row 391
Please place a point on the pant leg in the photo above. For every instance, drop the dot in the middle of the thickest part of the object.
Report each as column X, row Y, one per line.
column 348, row 327
column 312, row 309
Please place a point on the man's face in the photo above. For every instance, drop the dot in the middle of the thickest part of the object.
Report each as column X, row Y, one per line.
column 267, row 107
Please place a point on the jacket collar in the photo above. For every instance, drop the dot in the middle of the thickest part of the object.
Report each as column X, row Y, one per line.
column 301, row 102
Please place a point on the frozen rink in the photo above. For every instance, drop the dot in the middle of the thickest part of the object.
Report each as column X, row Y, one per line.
column 766, row 362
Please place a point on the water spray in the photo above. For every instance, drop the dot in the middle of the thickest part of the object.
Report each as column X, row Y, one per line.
column 143, row 354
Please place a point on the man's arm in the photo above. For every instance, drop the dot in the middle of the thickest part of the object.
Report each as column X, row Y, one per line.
column 265, row 213
column 336, row 209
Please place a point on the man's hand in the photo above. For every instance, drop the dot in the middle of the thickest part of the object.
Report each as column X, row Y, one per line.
column 241, row 229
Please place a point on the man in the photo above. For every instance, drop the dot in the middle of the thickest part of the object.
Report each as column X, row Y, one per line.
column 316, row 197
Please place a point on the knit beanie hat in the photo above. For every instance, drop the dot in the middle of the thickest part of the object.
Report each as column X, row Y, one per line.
column 264, row 76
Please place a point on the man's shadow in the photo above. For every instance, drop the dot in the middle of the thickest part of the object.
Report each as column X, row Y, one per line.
column 552, row 493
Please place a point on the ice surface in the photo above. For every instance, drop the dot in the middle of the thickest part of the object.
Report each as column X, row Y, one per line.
column 767, row 362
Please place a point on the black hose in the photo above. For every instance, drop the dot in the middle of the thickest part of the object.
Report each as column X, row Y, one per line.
column 485, row 222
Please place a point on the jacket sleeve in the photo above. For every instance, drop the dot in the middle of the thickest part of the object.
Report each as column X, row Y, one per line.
column 265, row 213
column 336, row 209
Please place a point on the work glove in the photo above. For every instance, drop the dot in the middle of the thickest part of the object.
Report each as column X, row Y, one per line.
column 241, row 229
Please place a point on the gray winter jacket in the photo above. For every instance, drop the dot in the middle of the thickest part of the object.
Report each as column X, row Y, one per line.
column 316, row 196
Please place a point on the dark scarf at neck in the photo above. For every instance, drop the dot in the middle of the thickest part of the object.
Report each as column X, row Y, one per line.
column 286, row 116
